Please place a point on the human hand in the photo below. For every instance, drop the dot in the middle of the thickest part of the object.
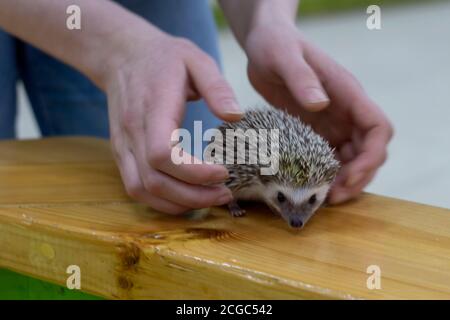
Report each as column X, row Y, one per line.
column 290, row 72
column 147, row 88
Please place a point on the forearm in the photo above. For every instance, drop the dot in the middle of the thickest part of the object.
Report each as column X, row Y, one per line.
column 243, row 16
column 104, row 26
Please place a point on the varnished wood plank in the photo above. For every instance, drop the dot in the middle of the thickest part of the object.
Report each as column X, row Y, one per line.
column 72, row 210
column 43, row 151
column 58, row 170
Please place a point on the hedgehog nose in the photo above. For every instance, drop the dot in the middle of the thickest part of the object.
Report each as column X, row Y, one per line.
column 296, row 223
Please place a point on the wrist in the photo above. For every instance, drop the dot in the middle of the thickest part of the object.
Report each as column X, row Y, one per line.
column 245, row 16
column 270, row 12
column 117, row 49
column 269, row 15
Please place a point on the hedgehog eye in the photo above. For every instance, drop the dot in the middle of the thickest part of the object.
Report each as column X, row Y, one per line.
column 280, row 197
column 312, row 199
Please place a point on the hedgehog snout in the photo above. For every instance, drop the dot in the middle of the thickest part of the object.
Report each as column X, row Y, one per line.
column 296, row 223
column 296, row 217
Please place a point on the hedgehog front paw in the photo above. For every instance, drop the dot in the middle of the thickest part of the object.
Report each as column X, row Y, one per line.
column 235, row 209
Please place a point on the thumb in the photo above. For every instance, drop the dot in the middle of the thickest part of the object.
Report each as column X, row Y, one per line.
column 213, row 88
column 303, row 83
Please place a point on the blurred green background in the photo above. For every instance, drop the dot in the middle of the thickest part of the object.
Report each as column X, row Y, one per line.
column 317, row 7
column 14, row 286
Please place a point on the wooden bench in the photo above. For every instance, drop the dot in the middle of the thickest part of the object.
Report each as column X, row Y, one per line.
column 62, row 203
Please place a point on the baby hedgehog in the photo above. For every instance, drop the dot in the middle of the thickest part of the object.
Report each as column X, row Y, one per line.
column 306, row 165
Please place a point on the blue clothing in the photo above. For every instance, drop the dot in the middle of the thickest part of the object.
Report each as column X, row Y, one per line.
column 65, row 102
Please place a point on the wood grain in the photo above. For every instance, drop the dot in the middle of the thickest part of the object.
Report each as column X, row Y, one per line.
column 62, row 203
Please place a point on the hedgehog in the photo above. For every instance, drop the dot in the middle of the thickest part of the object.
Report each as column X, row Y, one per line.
column 306, row 164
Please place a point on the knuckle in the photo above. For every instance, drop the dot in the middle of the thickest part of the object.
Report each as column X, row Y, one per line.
column 133, row 190
column 157, row 157
column 221, row 90
column 116, row 147
column 390, row 129
column 384, row 157
column 184, row 43
column 386, row 128
column 153, row 186
column 131, row 120
column 302, row 73
column 207, row 59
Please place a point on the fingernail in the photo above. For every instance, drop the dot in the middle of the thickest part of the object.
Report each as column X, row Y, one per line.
column 354, row 179
column 224, row 199
column 221, row 176
column 231, row 107
column 316, row 96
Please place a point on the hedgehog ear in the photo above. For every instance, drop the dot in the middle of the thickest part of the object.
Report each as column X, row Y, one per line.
column 332, row 170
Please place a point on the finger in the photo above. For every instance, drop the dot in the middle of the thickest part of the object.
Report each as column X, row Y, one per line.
column 372, row 126
column 161, row 185
column 370, row 138
column 346, row 152
column 212, row 87
column 163, row 116
column 340, row 194
column 135, row 188
column 302, row 81
column 186, row 195
column 370, row 155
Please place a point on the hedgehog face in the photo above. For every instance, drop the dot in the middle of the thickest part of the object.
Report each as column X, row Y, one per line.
column 296, row 205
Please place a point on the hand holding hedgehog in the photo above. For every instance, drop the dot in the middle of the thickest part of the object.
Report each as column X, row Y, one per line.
column 306, row 165
column 289, row 71
column 148, row 75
